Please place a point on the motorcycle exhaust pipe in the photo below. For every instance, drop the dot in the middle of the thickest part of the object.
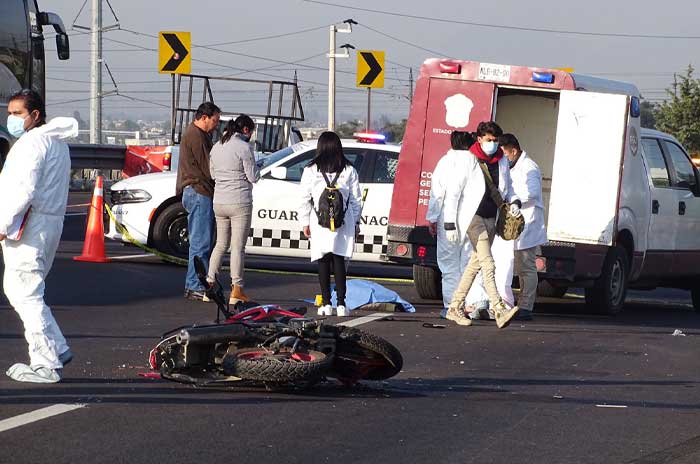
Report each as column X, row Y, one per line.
column 211, row 334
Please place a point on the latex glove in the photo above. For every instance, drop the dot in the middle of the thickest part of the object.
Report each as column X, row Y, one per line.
column 452, row 236
column 515, row 210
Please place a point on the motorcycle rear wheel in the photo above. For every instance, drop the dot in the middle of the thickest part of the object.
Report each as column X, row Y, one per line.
column 283, row 367
column 361, row 355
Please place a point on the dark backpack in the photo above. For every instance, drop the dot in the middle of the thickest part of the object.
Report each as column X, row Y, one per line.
column 331, row 209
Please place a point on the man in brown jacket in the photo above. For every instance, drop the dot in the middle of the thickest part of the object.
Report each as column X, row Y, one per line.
column 196, row 186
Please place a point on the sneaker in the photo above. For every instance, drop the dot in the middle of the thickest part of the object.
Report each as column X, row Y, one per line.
column 524, row 315
column 196, row 295
column 457, row 316
column 325, row 310
column 342, row 311
column 66, row 357
column 504, row 314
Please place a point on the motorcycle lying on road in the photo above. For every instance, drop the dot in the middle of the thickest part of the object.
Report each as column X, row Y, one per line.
column 270, row 345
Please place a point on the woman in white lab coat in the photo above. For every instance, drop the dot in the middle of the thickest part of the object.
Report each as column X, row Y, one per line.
column 330, row 248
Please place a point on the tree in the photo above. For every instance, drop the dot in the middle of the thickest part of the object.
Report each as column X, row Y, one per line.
column 348, row 128
column 393, row 131
column 680, row 116
column 131, row 125
column 648, row 118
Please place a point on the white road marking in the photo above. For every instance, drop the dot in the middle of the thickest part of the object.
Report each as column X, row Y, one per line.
column 146, row 255
column 39, row 414
column 614, row 406
column 365, row 319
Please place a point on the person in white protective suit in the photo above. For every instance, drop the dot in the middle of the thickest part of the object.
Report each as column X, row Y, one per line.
column 452, row 257
column 34, row 190
column 527, row 185
column 470, row 211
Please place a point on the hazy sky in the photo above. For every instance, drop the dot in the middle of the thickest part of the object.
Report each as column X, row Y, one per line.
column 647, row 62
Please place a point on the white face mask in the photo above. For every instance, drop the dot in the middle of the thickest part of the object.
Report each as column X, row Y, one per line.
column 15, row 126
column 489, row 147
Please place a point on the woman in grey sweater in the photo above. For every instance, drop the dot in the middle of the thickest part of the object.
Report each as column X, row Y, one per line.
column 233, row 168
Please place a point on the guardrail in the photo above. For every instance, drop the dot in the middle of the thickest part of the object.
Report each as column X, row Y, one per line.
column 92, row 156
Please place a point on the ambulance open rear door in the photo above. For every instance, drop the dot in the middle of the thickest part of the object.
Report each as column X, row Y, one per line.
column 587, row 171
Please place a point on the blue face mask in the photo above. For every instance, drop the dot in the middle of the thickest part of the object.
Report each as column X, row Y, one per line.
column 489, row 147
column 15, row 126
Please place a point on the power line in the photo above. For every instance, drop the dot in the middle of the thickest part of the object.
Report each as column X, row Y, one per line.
column 509, row 27
column 405, row 42
column 276, row 36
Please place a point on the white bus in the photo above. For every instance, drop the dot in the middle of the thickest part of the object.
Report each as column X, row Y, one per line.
column 22, row 54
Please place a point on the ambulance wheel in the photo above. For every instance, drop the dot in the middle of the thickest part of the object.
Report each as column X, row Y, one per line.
column 170, row 231
column 428, row 282
column 547, row 290
column 607, row 295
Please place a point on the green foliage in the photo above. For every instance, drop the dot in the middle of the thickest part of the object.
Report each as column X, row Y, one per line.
column 347, row 129
column 680, row 116
column 393, row 131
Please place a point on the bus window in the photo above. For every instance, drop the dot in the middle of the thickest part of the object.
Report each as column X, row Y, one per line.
column 14, row 48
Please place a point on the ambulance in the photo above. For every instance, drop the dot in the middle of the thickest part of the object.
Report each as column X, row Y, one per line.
column 622, row 204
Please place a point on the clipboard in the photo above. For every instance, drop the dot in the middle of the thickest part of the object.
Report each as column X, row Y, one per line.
column 16, row 229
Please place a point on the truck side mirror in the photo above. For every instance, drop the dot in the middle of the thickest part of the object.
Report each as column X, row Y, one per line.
column 279, row 172
column 62, row 46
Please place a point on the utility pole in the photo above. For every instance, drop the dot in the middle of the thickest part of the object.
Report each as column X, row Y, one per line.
column 96, row 73
column 410, row 83
column 332, row 55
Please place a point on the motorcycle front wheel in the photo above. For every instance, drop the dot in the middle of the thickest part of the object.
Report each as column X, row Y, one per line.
column 283, row 367
column 361, row 355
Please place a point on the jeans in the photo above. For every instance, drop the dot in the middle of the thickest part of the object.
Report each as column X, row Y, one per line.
column 481, row 233
column 232, row 228
column 200, row 227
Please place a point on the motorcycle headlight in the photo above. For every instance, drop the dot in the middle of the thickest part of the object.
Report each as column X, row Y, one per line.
column 120, row 197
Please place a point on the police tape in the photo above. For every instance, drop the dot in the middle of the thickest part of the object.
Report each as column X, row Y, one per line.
column 121, row 228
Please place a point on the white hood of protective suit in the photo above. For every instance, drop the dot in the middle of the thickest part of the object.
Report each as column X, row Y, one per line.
column 63, row 128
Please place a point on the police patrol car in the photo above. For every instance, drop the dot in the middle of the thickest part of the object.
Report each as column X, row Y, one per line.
column 149, row 209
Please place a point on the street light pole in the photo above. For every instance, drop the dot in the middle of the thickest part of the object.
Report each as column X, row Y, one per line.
column 332, row 55
column 331, row 79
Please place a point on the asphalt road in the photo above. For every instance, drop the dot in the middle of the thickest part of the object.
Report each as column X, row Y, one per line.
column 568, row 387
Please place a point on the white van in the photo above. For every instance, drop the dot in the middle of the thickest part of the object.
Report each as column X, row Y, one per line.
column 622, row 204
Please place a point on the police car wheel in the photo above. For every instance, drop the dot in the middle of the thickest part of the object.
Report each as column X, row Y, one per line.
column 428, row 282
column 170, row 231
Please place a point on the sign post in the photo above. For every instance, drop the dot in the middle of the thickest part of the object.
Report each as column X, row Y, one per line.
column 370, row 74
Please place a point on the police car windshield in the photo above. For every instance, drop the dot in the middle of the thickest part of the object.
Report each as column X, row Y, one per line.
column 276, row 156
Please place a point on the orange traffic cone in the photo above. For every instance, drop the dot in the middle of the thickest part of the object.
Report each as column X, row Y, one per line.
column 94, row 246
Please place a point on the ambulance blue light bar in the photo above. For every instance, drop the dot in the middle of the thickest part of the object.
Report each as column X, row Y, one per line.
column 369, row 137
column 545, row 78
